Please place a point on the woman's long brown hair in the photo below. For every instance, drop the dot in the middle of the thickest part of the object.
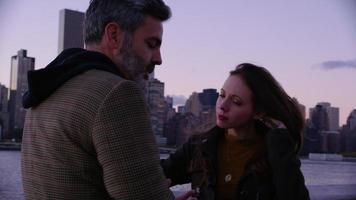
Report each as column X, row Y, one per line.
column 271, row 99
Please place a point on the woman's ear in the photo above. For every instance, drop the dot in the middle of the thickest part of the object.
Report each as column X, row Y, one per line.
column 259, row 115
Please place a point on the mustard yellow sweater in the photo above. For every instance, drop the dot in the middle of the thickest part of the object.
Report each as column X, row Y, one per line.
column 233, row 155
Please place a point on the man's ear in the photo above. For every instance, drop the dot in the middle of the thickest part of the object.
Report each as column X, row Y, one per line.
column 113, row 35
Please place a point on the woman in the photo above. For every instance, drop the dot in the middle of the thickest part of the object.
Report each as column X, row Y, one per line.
column 252, row 152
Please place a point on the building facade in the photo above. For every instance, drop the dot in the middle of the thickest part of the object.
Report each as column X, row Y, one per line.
column 4, row 114
column 20, row 65
column 351, row 120
column 203, row 102
column 70, row 29
column 157, row 105
column 322, row 133
column 333, row 115
column 348, row 133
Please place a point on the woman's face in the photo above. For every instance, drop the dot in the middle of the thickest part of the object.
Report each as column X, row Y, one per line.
column 234, row 107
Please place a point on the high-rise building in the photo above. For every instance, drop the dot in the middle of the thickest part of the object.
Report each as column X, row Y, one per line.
column 169, row 101
column 197, row 116
column 171, row 129
column 301, row 107
column 4, row 94
column 169, row 110
column 156, row 103
column 193, row 105
column 351, row 120
column 348, row 133
column 145, row 84
column 198, row 103
column 332, row 115
column 181, row 109
column 208, row 99
column 4, row 115
column 314, row 141
column 319, row 118
column 322, row 131
column 330, row 141
column 70, row 29
column 20, row 65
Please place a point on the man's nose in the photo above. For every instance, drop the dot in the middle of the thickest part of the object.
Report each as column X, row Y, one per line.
column 156, row 58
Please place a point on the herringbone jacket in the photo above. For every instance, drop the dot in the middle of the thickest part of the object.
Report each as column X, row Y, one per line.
column 91, row 139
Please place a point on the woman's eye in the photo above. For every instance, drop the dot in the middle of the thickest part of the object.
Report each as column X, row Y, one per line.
column 237, row 102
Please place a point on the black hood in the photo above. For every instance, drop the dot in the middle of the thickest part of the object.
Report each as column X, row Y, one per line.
column 71, row 62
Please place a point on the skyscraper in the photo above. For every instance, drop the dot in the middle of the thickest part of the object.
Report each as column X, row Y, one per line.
column 169, row 110
column 351, row 120
column 156, row 103
column 318, row 122
column 208, row 98
column 198, row 103
column 349, row 133
column 332, row 115
column 301, row 107
column 193, row 105
column 70, row 29
column 319, row 118
column 4, row 115
column 20, row 65
column 3, row 98
column 322, row 132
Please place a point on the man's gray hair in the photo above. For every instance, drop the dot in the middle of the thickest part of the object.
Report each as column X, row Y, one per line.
column 129, row 14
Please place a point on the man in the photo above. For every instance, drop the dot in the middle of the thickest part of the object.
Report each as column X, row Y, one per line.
column 87, row 133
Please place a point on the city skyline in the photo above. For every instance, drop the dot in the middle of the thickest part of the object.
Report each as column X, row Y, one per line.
column 308, row 46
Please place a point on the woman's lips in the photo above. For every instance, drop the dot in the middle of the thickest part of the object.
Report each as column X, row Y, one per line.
column 222, row 118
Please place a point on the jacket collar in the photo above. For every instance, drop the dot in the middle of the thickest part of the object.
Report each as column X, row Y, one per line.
column 44, row 82
column 210, row 151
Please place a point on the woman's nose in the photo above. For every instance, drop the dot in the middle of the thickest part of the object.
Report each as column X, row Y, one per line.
column 224, row 106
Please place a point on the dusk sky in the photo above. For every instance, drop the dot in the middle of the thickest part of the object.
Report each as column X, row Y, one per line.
column 308, row 45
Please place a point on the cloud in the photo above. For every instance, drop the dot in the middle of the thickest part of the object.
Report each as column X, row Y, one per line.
column 338, row 64
column 178, row 99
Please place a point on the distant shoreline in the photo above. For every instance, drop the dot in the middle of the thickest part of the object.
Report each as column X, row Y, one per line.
column 164, row 154
column 10, row 146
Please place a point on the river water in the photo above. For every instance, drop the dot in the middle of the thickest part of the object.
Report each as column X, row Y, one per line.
column 325, row 180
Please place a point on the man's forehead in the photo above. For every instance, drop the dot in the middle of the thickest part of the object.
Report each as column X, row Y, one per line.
column 151, row 27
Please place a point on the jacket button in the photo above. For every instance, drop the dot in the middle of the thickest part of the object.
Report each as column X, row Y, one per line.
column 243, row 193
column 228, row 178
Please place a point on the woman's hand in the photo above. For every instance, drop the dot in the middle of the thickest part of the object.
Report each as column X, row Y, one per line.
column 187, row 196
column 271, row 123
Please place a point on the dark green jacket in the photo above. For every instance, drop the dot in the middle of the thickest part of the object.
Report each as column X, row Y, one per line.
column 281, row 180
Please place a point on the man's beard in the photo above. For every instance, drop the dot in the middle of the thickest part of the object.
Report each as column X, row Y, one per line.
column 135, row 65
